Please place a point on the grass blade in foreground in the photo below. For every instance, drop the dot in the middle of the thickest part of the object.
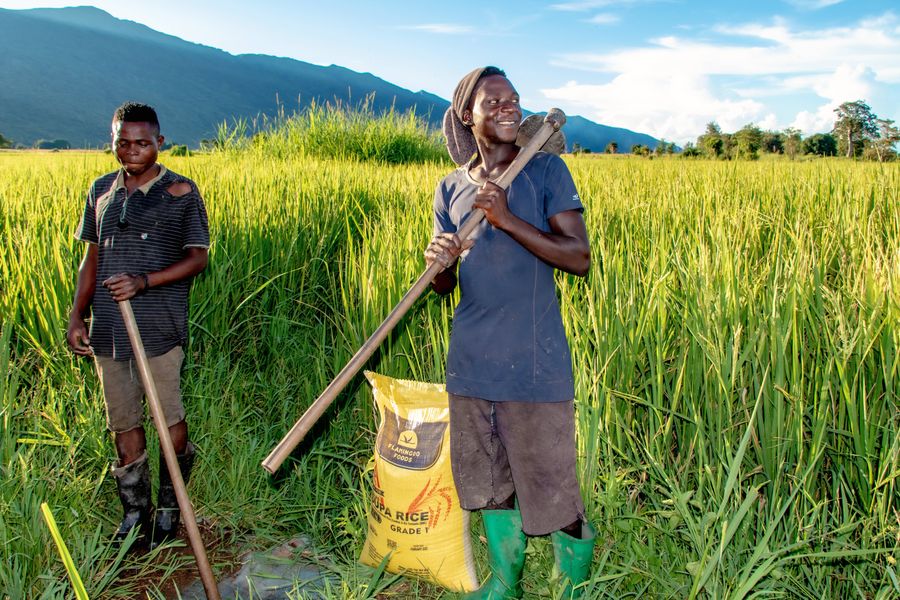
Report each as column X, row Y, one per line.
column 74, row 577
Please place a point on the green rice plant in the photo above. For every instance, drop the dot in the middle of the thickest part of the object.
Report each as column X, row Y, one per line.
column 730, row 292
column 74, row 577
column 735, row 349
column 336, row 130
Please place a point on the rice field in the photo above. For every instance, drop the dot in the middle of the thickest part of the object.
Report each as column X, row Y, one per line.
column 736, row 350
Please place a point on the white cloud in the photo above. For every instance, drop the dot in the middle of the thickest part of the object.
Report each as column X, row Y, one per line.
column 675, row 108
column 770, row 121
column 441, row 28
column 846, row 83
column 603, row 19
column 673, row 86
column 583, row 5
column 809, row 122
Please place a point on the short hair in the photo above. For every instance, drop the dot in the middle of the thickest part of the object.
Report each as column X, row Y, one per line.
column 135, row 112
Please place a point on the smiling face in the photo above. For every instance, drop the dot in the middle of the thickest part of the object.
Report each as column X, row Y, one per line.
column 136, row 145
column 495, row 113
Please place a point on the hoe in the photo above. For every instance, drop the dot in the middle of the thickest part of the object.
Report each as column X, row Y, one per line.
column 534, row 135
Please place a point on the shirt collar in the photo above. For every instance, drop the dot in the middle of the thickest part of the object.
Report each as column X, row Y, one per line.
column 120, row 179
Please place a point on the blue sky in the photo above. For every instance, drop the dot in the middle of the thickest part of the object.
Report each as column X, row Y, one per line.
column 663, row 67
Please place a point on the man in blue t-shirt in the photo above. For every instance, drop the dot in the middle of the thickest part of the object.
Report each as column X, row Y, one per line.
column 509, row 371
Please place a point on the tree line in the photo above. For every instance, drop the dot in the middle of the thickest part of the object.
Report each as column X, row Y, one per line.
column 857, row 132
column 7, row 143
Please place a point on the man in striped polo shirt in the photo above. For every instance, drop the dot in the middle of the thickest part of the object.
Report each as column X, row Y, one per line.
column 147, row 236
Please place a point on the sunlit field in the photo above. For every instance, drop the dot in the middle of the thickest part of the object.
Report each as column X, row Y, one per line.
column 736, row 348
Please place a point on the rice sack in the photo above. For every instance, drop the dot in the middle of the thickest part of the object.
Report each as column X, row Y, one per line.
column 414, row 512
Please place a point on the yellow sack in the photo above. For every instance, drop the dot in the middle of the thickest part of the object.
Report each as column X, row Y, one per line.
column 414, row 511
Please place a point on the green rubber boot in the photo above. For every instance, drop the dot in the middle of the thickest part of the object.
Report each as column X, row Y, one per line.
column 573, row 558
column 506, row 556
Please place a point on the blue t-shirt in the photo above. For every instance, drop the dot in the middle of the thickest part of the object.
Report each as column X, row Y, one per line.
column 508, row 342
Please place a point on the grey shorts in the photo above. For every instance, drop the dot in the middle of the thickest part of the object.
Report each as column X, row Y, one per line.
column 123, row 390
column 497, row 448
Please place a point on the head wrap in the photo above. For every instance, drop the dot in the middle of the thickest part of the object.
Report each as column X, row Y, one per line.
column 460, row 140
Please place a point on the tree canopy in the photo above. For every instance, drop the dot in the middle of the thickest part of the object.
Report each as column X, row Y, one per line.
column 855, row 123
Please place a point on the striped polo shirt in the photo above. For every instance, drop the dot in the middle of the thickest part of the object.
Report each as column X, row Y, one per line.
column 141, row 233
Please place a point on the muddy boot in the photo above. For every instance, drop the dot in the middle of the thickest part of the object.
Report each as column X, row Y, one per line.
column 168, row 515
column 573, row 558
column 506, row 555
column 133, row 483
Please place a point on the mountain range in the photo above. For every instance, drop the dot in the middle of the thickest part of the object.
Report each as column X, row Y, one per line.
column 63, row 71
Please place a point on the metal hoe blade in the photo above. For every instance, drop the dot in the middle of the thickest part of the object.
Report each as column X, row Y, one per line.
column 530, row 126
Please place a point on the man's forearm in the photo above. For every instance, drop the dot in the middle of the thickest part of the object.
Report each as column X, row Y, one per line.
column 568, row 253
column 85, row 283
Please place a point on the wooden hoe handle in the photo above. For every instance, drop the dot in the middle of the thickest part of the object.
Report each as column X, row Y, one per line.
column 165, row 441
column 552, row 122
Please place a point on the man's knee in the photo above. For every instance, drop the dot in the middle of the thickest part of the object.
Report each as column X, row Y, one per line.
column 130, row 445
column 178, row 433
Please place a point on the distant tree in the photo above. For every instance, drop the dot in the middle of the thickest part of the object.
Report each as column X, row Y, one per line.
column 773, row 142
column 888, row 136
column 820, row 144
column 711, row 143
column 660, row 147
column 579, row 149
column 179, row 150
column 640, row 150
column 6, row 142
column 664, row 147
column 855, row 123
column 728, row 145
column 690, row 151
column 52, row 145
column 747, row 142
column 612, row 147
column 792, row 141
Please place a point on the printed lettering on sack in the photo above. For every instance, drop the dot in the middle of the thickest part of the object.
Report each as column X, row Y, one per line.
column 431, row 507
column 410, row 445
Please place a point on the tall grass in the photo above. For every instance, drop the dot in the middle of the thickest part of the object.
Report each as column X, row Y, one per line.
column 738, row 384
column 337, row 130
column 735, row 349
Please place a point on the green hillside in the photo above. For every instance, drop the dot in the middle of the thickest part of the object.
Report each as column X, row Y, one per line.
column 61, row 78
column 63, row 72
